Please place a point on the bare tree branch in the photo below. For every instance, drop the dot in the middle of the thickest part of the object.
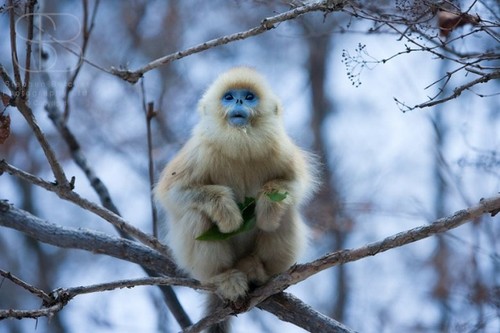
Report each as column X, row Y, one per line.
column 266, row 24
column 83, row 239
column 74, row 147
column 284, row 306
column 131, row 251
column 60, row 297
column 72, row 196
column 44, row 312
column 147, row 281
column 486, row 206
column 61, row 180
column 289, row 308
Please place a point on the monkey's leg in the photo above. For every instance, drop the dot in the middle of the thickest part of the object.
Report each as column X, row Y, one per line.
column 214, row 265
column 207, row 261
column 277, row 250
column 253, row 267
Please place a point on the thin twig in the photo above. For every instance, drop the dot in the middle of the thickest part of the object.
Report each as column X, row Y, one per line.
column 9, row 83
column 146, row 281
column 59, row 43
column 86, row 32
column 150, row 113
column 456, row 92
column 441, row 49
column 35, row 291
column 13, row 48
column 56, row 167
column 54, row 113
column 30, row 6
column 60, row 297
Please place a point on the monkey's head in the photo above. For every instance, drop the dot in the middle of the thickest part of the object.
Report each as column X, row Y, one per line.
column 240, row 114
column 240, row 98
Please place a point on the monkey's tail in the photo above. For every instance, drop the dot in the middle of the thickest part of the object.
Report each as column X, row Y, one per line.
column 214, row 302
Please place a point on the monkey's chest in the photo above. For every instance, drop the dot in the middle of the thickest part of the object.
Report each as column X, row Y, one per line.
column 245, row 179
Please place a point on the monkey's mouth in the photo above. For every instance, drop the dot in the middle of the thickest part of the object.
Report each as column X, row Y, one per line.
column 238, row 117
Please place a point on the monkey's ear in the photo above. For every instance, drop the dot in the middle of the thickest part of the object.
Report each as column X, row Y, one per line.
column 202, row 108
column 278, row 109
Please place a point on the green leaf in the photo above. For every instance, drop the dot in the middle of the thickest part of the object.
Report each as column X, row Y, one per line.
column 277, row 196
column 247, row 209
column 214, row 234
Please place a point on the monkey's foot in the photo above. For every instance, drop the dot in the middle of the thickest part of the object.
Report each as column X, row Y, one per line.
column 231, row 284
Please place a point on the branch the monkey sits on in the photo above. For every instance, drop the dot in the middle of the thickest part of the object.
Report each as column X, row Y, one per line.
column 239, row 149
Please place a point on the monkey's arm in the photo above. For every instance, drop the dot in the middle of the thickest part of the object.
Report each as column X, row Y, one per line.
column 216, row 201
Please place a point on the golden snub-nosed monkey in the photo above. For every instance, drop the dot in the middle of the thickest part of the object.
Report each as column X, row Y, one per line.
column 238, row 150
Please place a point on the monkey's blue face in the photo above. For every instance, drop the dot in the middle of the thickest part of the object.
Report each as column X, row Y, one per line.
column 239, row 103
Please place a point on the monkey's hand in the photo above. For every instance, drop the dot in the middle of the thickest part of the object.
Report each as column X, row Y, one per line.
column 270, row 212
column 218, row 203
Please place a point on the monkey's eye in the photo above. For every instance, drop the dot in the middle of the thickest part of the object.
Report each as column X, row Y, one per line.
column 250, row 97
column 228, row 97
